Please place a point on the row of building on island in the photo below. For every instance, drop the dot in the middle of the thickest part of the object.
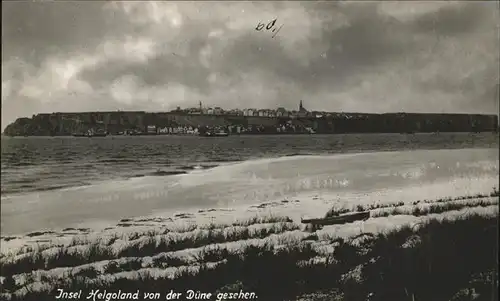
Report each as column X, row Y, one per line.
column 279, row 112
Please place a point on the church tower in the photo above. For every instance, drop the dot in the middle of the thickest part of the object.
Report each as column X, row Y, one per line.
column 301, row 107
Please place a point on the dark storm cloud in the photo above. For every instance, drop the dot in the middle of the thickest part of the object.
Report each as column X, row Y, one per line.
column 35, row 30
column 162, row 68
column 367, row 41
column 457, row 19
column 342, row 56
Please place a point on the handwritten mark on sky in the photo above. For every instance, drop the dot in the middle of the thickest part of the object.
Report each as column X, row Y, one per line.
column 271, row 26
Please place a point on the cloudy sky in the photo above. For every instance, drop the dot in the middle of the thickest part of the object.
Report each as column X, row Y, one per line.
column 154, row 56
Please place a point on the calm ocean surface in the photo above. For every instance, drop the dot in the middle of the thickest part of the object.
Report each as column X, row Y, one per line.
column 32, row 164
column 55, row 183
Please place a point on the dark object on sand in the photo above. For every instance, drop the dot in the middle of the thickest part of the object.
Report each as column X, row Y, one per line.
column 80, row 135
column 317, row 223
column 98, row 135
column 214, row 134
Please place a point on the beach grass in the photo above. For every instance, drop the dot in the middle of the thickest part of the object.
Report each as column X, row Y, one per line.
column 436, row 259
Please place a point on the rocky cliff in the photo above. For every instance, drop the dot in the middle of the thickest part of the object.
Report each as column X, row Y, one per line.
column 60, row 124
